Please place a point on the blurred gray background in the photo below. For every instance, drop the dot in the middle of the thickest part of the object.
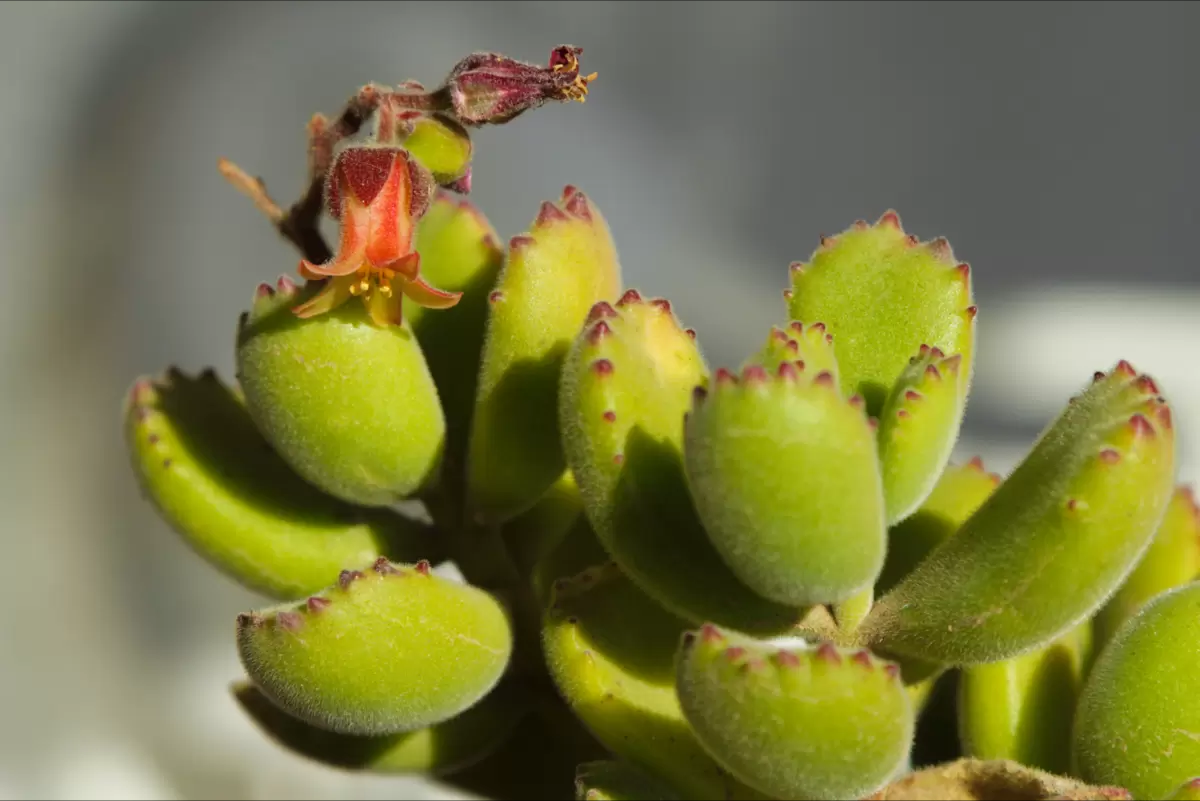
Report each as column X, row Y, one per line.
column 1055, row 144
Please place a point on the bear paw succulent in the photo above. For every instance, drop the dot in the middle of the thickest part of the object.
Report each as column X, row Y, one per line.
column 515, row 532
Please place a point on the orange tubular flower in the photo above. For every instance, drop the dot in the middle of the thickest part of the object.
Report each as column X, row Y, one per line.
column 377, row 194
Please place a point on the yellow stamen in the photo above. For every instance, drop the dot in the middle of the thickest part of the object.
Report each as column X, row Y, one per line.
column 572, row 63
column 579, row 89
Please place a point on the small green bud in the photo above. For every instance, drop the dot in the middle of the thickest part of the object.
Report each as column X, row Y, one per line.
column 439, row 142
column 386, row 650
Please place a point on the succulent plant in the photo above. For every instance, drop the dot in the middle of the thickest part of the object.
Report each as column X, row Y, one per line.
column 514, row 532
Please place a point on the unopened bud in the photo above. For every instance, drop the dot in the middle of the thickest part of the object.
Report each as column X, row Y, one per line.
column 437, row 140
column 488, row 88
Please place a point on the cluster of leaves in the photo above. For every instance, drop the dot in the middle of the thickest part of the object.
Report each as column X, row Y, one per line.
column 688, row 583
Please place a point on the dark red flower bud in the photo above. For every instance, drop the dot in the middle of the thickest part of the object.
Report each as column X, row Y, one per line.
column 488, row 88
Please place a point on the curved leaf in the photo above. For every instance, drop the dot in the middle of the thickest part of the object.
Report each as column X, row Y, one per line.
column 626, row 385
column 208, row 471
column 1138, row 724
column 388, row 650
column 447, row 747
column 349, row 405
column 611, row 652
column 1053, row 541
column 552, row 276
column 795, row 723
column 784, row 474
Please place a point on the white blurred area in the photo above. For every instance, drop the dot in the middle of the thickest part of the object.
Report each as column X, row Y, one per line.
column 720, row 140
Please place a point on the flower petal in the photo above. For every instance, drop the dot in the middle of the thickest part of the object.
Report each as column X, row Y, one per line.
column 390, row 228
column 408, row 266
column 334, row 294
column 425, row 295
column 344, row 264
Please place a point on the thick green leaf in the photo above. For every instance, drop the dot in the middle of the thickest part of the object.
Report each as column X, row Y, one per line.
column 350, row 405
column 785, row 477
column 387, row 650
column 1138, row 724
column 812, row 723
column 959, row 492
column 1172, row 559
column 1022, row 708
column 552, row 276
column 447, row 747
column 1053, row 541
column 917, row 429
column 208, row 471
column 627, row 384
column 611, row 651
column 881, row 294
column 460, row 252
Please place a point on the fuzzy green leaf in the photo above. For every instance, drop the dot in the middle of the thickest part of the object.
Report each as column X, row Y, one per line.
column 616, row 781
column 812, row 723
column 627, row 383
column 881, row 294
column 460, row 252
column 611, row 651
column 552, row 276
column 784, row 474
column 1053, row 541
column 384, row 651
column 445, row 748
column 958, row 493
column 208, row 471
column 1022, row 708
column 349, row 405
column 917, row 429
column 1172, row 559
column 1138, row 723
